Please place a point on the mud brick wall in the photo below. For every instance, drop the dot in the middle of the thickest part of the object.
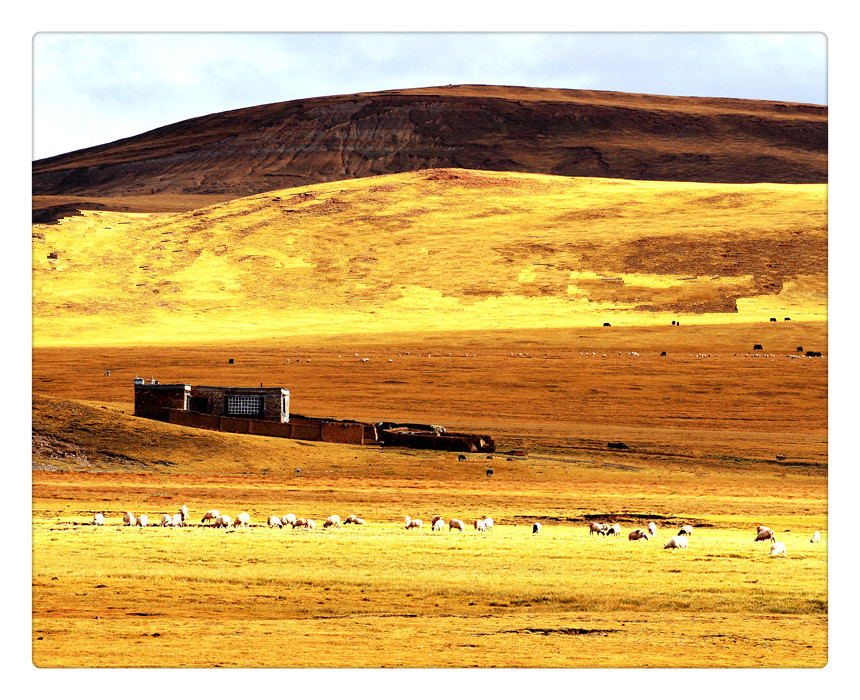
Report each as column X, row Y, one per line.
column 156, row 400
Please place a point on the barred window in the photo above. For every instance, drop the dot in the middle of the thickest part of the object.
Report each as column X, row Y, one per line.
column 244, row 405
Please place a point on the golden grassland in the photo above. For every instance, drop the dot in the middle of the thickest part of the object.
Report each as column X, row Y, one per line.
column 487, row 292
column 434, row 250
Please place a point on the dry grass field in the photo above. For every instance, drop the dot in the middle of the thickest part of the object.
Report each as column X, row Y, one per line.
column 479, row 300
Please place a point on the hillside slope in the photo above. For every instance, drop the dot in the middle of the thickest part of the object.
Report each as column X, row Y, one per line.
column 529, row 130
column 434, row 250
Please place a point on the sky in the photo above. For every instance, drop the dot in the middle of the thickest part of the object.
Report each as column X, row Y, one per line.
column 91, row 88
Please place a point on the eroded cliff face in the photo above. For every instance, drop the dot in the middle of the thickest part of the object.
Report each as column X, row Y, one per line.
column 557, row 132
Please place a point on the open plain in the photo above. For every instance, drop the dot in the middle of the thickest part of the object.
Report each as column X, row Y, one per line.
column 623, row 290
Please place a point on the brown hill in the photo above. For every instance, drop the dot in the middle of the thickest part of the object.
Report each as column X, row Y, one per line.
column 528, row 130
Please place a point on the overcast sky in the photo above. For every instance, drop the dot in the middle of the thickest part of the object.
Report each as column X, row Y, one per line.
column 93, row 88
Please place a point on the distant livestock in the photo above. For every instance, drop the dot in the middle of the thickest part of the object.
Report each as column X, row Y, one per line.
column 331, row 521
column 652, row 529
column 816, row 537
column 359, row 521
column 184, row 513
column 437, row 525
column 638, row 535
column 686, row 530
column 413, row 523
column 211, row 515
column 596, row 528
column 480, row 525
column 488, row 522
column 288, row 519
column 434, row 519
column 764, row 535
column 299, row 522
column 677, row 542
column 242, row 520
column 457, row 525
column 143, row 521
column 535, row 528
column 352, row 519
column 274, row 521
column 757, row 347
column 98, row 519
column 310, row 525
column 128, row 519
column 614, row 530
column 177, row 520
column 777, row 549
column 607, row 325
column 167, row 521
column 222, row 521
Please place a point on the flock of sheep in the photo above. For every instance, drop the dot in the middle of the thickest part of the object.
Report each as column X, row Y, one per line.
column 214, row 518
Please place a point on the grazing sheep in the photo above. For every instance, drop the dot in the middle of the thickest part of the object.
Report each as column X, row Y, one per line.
column 177, row 520
column 274, row 521
column 331, row 521
column 434, row 519
column 350, row 519
column 764, row 535
column 686, row 530
column 456, row 525
column 128, row 519
column 437, row 525
column 210, row 515
column 596, row 528
column 480, row 525
column 535, row 528
column 761, row 527
column 777, row 549
column 816, row 537
column 359, row 521
column 166, row 520
column 288, row 519
column 614, row 530
column 299, row 522
column 677, row 542
column 638, row 535
column 143, row 521
column 222, row 521
column 184, row 513
column 652, row 529
column 488, row 522
column 310, row 525
column 242, row 520
column 99, row 519
column 413, row 523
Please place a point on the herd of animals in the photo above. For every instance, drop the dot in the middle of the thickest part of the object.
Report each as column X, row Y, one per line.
column 214, row 518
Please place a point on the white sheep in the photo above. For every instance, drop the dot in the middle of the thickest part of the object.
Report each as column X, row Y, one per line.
column 299, row 522
column 536, row 528
column 99, row 519
column 434, row 519
column 598, row 528
column 480, row 525
column 359, row 521
column 488, row 522
column 128, row 519
column 288, row 519
column 242, row 520
column 222, row 520
column 331, row 521
column 456, row 525
column 177, row 520
column 310, row 524
column 143, row 521
column 274, row 521
column 413, row 523
column 677, row 542
column 652, row 529
column 777, row 549
column 438, row 524
column 166, row 520
column 686, row 530
column 351, row 518
column 816, row 537
column 614, row 530
column 210, row 515
column 184, row 513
